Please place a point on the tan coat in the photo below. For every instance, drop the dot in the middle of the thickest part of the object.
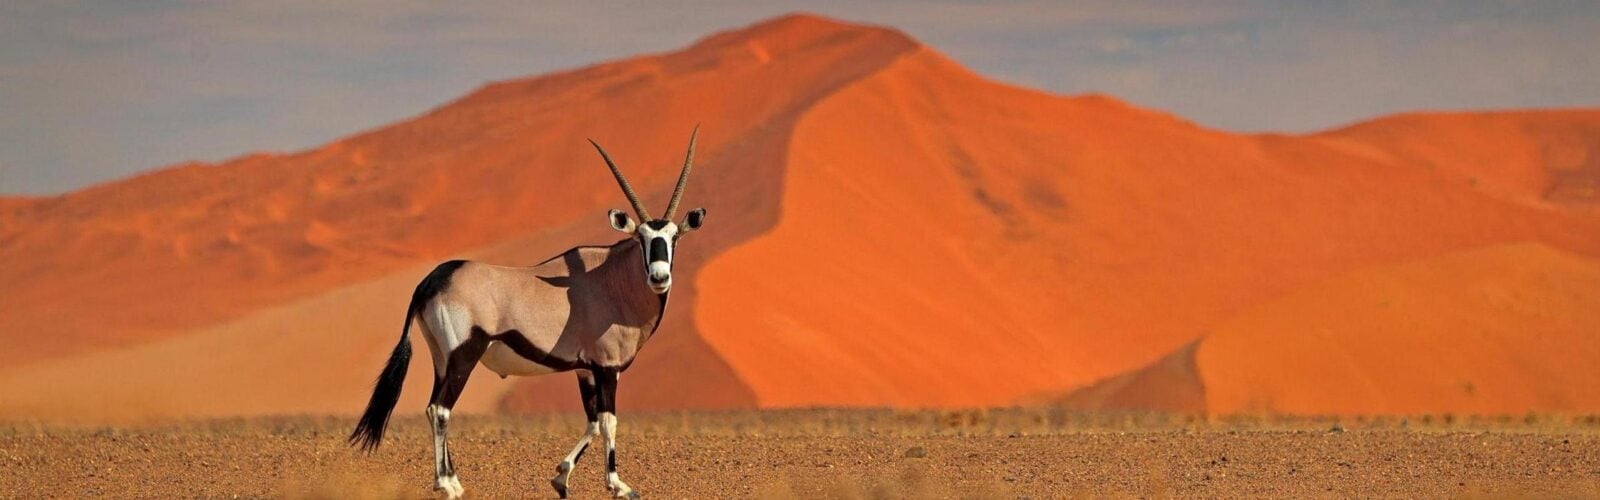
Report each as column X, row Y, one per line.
column 585, row 308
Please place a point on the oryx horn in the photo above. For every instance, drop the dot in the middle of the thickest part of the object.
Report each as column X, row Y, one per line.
column 683, row 178
column 644, row 215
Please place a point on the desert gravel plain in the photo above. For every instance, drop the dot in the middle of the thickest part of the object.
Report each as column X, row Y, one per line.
column 1020, row 453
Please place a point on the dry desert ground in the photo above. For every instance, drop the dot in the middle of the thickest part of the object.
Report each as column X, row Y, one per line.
column 1019, row 453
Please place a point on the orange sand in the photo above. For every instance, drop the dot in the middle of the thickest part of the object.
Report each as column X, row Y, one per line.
column 1502, row 329
column 949, row 241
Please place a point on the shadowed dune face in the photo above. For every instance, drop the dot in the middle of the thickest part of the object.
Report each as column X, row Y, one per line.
column 1171, row 384
column 885, row 228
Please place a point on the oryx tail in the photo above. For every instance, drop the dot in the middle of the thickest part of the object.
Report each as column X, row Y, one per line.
column 369, row 431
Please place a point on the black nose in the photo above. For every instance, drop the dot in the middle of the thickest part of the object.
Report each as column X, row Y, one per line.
column 659, row 279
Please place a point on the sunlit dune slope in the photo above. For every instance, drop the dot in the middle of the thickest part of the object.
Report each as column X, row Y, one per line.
column 947, row 240
column 1504, row 329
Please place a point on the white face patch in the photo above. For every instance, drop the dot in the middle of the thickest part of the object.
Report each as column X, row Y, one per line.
column 657, row 239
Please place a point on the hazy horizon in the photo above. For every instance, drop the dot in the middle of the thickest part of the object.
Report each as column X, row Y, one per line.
column 97, row 91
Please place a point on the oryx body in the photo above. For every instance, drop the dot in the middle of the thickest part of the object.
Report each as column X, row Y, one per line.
column 589, row 310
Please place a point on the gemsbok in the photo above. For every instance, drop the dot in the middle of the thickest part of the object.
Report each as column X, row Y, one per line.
column 589, row 309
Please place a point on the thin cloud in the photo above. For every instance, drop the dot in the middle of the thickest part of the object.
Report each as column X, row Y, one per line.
column 95, row 90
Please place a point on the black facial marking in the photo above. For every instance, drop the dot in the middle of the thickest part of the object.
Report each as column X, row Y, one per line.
column 658, row 249
column 658, row 224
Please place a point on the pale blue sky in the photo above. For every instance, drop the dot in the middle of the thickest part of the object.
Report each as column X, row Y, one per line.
column 96, row 90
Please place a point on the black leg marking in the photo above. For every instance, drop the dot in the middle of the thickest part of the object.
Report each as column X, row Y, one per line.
column 447, row 389
column 461, row 362
column 449, row 465
column 586, row 390
column 606, row 402
column 579, row 456
column 606, row 395
column 444, row 430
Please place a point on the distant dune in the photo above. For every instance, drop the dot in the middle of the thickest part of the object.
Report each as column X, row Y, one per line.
column 1499, row 329
column 1491, row 330
column 886, row 228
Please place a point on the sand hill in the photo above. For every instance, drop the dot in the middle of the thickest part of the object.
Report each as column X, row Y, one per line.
column 886, row 228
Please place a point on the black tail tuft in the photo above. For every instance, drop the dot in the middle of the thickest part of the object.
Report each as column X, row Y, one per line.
column 369, row 431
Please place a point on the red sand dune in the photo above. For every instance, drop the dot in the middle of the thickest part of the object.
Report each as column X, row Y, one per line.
column 1497, row 329
column 886, row 228
column 1539, row 157
column 1489, row 330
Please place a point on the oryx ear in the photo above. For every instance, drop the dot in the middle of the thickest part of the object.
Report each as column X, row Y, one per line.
column 620, row 221
column 695, row 218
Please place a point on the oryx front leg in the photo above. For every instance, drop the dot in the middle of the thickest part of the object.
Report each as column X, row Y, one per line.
column 586, row 390
column 606, row 382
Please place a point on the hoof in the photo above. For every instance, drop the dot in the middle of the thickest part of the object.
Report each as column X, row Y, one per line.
column 630, row 494
column 451, row 486
column 560, row 481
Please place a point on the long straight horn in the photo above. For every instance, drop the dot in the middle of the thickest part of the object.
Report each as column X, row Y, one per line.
column 683, row 178
column 644, row 215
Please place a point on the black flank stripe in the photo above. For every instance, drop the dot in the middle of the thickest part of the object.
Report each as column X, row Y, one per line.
column 528, row 351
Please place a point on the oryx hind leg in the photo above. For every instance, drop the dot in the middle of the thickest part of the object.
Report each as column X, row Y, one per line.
column 586, row 391
column 452, row 379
